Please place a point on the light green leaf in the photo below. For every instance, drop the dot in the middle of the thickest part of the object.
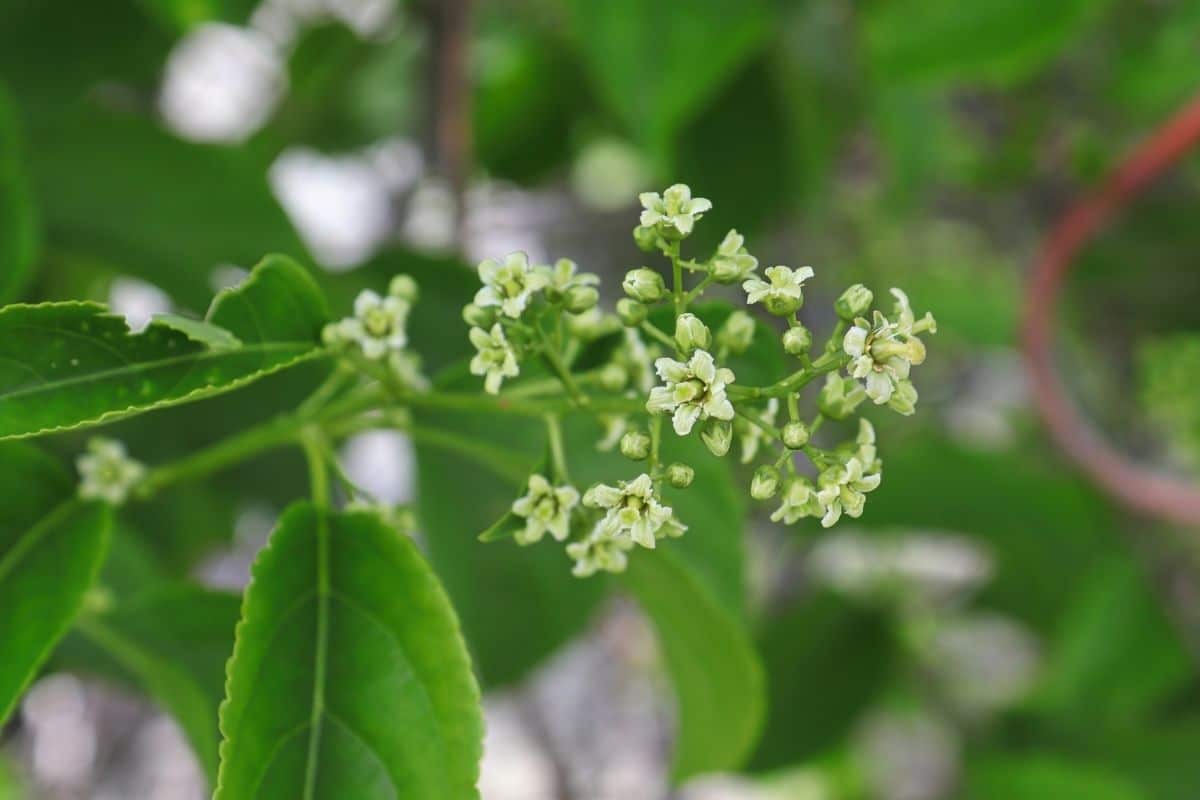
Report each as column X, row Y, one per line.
column 18, row 224
column 205, row 333
column 349, row 677
column 1041, row 777
column 172, row 642
column 717, row 676
column 998, row 41
column 657, row 63
column 51, row 548
column 66, row 365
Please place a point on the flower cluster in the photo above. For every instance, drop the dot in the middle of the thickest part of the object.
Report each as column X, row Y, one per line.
column 543, row 345
column 378, row 330
column 106, row 472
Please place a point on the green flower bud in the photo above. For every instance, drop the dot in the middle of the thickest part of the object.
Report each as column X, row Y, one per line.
column 680, row 475
column 647, row 238
column 635, row 445
column 691, row 334
column 737, row 333
column 631, row 312
column 644, row 285
column 717, row 436
column 797, row 341
column 765, row 484
column 795, row 435
column 612, row 377
column 404, row 287
column 782, row 305
column 840, row 396
column 854, row 302
column 579, row 299
column 478, row 316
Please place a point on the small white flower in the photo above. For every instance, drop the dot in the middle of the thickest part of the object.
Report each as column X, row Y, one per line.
column 545, row 508
column 633, row 509
column 752, row 435
column 843, row 489
column 883, row 353
column 799, row 500
column 783, row 291
column 564, row 275
column 599, row 552
column 511, row 284
column 732, row 262
column 107, row 472
column 378, row 325
column 496, row 359
column 674, row 211
column 693, row 391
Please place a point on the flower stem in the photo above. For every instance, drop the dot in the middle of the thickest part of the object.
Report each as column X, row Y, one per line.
column 652, row 330
column 558, row 458
column 677, row 279
column 318, row 470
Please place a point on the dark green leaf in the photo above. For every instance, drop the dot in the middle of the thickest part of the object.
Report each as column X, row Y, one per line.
column 18, row 223
column 716, row 674
column 349, row 677
column 64, row 365
column 51, row 548
column 1045, row 778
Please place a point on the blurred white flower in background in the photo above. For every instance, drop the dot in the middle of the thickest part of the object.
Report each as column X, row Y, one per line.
column 607, row 173
column 907, row 755
column 137, row 301
column 986, row 662
column 383, row 463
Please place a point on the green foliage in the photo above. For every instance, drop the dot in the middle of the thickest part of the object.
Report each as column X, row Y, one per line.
column 1168, row 391
column 716, row 675
column 400, row 718
column 51, row 547
column 19, row 235
column 71, row 364
column 1045, row 778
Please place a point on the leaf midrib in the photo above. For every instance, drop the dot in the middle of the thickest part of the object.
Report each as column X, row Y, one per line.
column 145, row 366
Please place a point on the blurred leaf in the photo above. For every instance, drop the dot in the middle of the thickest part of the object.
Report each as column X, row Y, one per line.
column 1166, row 367
column 349, row 676
column 996, row 41
column 716, row 674
column 118, row 188
column 182, row 15
column 1161, row 757
column 51, row 548
column 87, row 367
column 1045, row 777
column 826, row 663
column 1031, row 516
column 18, row 218
column 657, row 64
column 171, row 642
column 1090, row 678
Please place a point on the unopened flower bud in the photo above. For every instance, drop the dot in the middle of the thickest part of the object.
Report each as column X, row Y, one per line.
column 765, row 484
column 579, row 299
column 691, row 334
column 612, row 377
column 631, row 312
column 478, row 316
column 646, row 238
column 854, row 302
column 644, row 285
column 717, row 436
column 635, row 445
column 797, row 341
column 680, row 475
column 737, row 333
column 795, row 435
column 404, row 287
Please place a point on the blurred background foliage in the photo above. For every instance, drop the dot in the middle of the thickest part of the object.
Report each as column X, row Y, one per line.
column 993, row 627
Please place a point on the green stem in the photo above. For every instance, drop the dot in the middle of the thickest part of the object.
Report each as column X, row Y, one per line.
column 677, row 279
column 318, row 470
column 337, row 380
column 700, row 287
column 656, row 423
column 760, row 424
column 550, row 356
column 558, row 458
column 794, row 382
column 652, row 330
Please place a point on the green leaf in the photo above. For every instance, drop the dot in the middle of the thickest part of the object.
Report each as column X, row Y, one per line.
column 1041, row 777
column 65, row 365
column 656, row 63
column 998, row 41
column 826, row 661
column 117, row 188
column 198, row 330
column 349, row 677
column 18, row 224
column 51, row 548
column 717, row 676
column 172, row 642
